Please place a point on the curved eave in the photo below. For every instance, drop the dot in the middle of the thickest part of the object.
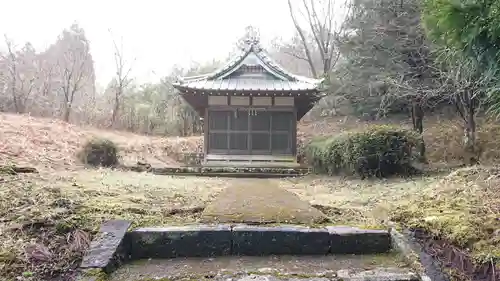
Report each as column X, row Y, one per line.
column 249, row 85
column 198, row 98
column 215, row 90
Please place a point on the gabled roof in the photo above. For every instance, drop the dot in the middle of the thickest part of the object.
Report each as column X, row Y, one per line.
column 253, row 69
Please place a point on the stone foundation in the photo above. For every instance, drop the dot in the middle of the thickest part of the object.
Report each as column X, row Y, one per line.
column 235, row 172
column 114, row 245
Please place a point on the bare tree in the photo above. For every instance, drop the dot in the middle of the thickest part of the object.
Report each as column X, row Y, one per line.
column 22, row 74
column 122, row 80
column 466, row 85
column 45, row 88
column 73, row 68
column 324, row 29
column 12, row 73
column 28, row 75
column 46, row 85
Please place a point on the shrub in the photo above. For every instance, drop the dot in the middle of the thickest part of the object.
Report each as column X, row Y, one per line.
column 377, row 151
column 99, row 152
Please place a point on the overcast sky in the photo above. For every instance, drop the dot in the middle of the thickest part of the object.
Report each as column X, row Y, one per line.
column 157, row 33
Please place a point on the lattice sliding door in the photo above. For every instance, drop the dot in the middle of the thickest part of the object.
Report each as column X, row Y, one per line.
column 250, row 132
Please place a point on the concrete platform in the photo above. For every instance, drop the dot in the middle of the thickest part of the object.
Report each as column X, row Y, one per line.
column 384, row 267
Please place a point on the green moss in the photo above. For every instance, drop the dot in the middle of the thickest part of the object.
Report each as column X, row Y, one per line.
column 459, row 209
column 161, row 279
column 64, row 227
column 96, row 273
column 264, row 203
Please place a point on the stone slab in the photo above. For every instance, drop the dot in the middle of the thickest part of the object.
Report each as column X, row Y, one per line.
column 381, row 274
column 425, row 266
column 279, row 240
column 353, row 240
column 230, row 267
column 254, row 277
column 107, row 249
column 180, row 241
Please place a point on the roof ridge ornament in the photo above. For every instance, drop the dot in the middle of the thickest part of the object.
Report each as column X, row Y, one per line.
column 251, row 40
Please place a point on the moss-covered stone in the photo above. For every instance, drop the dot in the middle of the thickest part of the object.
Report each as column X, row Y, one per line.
column 106, row 247
column 264, row 203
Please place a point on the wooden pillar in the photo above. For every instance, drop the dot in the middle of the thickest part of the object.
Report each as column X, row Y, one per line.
column 294, row 133
column 206, row 125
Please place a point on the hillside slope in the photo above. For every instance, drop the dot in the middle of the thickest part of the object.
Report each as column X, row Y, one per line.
column 52, row 144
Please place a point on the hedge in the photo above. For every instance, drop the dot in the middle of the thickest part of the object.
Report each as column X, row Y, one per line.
column 99, row 152
column 377, row 151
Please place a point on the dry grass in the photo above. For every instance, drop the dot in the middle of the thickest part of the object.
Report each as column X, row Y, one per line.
column 48, row 219
column 444, row 142
column 53, row 144
column 364, row 203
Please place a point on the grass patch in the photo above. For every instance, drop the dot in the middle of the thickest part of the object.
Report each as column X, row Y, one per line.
column 361, row 203
column 263, row 202
column 47, row 220
column 462, row 208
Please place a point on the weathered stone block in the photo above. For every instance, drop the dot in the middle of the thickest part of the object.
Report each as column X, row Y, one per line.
column 107, row 249
column 180, row 241
column 279, row 240
column 380, row 274
column 352, row 240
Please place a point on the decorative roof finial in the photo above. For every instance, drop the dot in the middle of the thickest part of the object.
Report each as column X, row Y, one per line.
column 252, row 37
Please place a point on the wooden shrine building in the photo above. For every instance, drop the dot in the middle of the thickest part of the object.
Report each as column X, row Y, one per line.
column 250, row 109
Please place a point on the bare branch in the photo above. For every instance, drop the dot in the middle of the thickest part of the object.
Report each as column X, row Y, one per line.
column 303, row 39
column 297, row 56
column 122, row 80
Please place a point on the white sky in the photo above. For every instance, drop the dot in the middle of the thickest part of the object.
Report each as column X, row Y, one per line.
column 157, row 33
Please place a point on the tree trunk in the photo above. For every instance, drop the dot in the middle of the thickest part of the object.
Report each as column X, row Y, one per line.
column 417, row 116
column 115, row 110
column 15, row 99
column 469, row 140
column 67, row 113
